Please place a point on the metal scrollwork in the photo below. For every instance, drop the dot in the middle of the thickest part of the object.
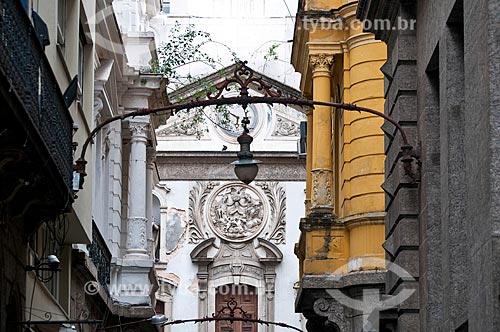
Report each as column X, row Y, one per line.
column 101, row 256
column 243, row 77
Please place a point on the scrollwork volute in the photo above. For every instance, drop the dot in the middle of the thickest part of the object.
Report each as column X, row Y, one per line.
column 197, row 198
column 334, row 312
column 277, row 201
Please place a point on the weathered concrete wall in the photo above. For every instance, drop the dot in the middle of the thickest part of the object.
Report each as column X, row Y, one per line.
column 450, row 92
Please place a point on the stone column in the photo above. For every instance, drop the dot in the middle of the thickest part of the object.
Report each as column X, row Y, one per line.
column 137, row 221
column 150, row 158
column 322, row 157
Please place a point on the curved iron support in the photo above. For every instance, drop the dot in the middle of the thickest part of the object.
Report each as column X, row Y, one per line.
column 243, row 77
column 234, row 319
column 230, row 309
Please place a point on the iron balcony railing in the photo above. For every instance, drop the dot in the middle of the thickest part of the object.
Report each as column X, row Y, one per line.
column 101, row 256
column 24, row 64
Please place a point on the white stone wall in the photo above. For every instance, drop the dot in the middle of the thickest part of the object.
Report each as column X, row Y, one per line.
column 180, row 267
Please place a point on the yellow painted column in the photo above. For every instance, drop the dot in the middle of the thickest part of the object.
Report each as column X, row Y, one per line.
column 322, row 158
column 309, row 149
column 364, row 206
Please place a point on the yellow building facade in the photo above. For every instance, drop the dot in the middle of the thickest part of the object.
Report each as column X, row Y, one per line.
column 340, row 246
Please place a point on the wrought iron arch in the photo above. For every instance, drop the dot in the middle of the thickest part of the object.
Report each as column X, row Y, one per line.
column 242, row 79
column 231, row 313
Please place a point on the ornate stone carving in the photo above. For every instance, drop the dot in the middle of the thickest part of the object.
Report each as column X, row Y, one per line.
column 334, row 312
column 220, row 271
column 136, row 234
column 277, row 201
column 321, row 61
column 139, row 129
column 197, row 198
column 179, row 130
column 97, row 109
column 285, row 127
column 322, row 196
column 237, row 268
column 237, row 212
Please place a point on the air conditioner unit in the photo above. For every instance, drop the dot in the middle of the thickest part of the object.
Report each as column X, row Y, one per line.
column 302, row 141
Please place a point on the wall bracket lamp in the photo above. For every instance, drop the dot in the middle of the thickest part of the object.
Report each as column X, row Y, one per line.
column 50, row 264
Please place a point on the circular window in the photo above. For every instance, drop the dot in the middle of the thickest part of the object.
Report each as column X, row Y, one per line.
column 232, row 129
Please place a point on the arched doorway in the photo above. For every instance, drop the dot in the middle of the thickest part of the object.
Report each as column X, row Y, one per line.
column 246, row 297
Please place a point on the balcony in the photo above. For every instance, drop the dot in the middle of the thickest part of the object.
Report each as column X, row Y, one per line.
column 101, row 257
column 35, row 125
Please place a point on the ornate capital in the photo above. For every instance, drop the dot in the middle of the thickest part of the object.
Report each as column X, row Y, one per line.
column 321, row 62
column 322, row 186
column 139, row 130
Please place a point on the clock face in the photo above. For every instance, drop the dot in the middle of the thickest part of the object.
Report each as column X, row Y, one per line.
column 231, row 124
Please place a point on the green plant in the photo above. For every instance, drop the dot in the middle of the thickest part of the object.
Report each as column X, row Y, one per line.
column 271, row 52
column 185, row 46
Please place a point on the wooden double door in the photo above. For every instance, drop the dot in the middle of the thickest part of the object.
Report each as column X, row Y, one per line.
column 246, row 297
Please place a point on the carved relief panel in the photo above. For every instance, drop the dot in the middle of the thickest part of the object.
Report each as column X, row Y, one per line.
column 237, row 213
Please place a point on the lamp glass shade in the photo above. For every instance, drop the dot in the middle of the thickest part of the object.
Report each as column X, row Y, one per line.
column 246, row 173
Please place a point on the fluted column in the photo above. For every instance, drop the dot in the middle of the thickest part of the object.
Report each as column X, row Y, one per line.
column 322, row 158
column 137, row 221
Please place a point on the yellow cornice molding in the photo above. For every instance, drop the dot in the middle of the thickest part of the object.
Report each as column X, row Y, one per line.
column 360, row 39
column 348, row 11
column 363, row 219
column 329, row 48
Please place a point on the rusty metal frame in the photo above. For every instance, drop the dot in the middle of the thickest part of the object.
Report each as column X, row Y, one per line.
column 242, row 79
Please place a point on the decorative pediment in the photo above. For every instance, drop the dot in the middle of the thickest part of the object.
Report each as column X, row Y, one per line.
column 200, row 252
column 273, row 254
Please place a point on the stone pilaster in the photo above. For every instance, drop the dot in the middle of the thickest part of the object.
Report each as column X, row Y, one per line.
column 150, row 160
column 322, row 158
column 309, row 155
column 137, row 221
